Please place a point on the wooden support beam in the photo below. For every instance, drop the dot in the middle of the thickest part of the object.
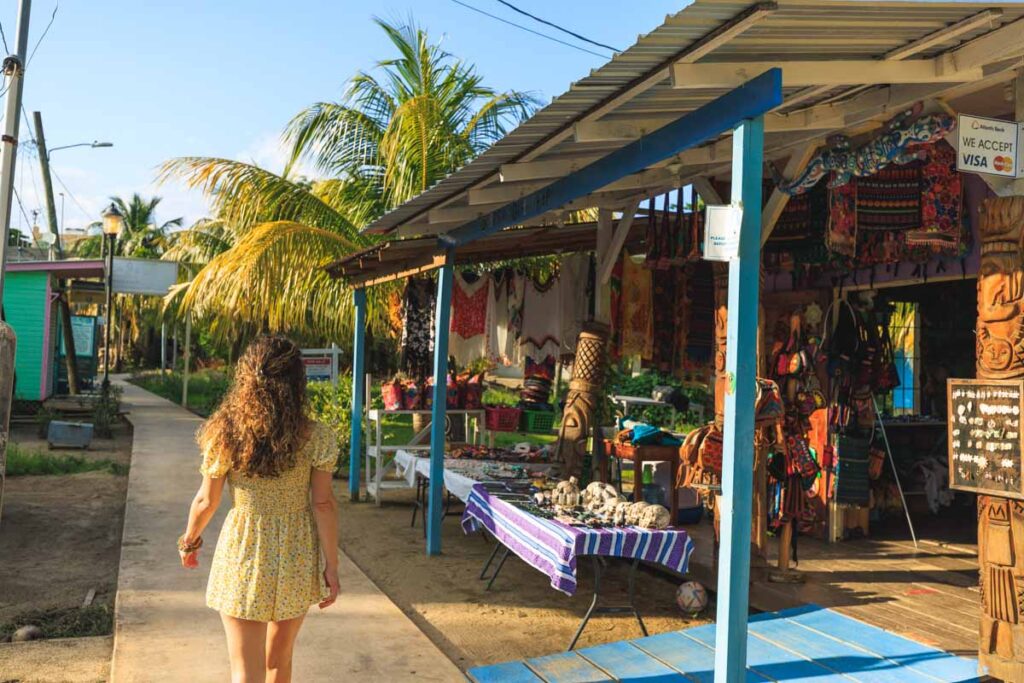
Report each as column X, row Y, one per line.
column 554, row 168
column 615, row 246
column 706, row 191
column 504, row 192
column 777, row 200
column 999, row 44
column 986, row 16
column 355, row 456
column 824, row 72
column 632, row 129
column 434, row 262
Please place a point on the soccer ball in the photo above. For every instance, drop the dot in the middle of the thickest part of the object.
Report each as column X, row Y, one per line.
column 691, row 597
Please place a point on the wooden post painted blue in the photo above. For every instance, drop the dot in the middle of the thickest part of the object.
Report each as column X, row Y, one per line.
column 442, row 316
column 355, row 454
column 738, row 435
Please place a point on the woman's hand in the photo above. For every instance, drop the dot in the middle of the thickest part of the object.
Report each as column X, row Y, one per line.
column 331, row 577
column 189, row 560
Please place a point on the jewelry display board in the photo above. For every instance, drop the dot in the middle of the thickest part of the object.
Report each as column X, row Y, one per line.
column 985, row 444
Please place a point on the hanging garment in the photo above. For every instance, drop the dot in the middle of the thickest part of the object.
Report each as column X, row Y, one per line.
column 574, row 272
column 890, row 199
column 471, row 318
column 681, row 318
column 942, row 219
column 663, row 344
column 637, row 310
column 542, row 325
column 841, row 236
column 417, row 343
column 507, row 295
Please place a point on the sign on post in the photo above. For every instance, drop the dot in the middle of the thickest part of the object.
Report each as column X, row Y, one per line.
column 722, row 232
column 321, row 364
column 988, row 146
column 985, row 443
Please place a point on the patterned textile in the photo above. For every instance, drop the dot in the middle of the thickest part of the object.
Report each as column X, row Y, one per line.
column 553, row 548
column 417, row 343
column 890, row 199
column 615, row 294
column 942, row 219
column 637, row 310
column 700, row 322
column 841, row 236
column 573, row 280
column 542, row 325
column 681, row 318
column 267, row 566
column 471, row 318
column 664, row 320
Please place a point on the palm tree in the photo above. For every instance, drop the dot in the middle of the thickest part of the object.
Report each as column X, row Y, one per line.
column 395, row 132
column 141, row 237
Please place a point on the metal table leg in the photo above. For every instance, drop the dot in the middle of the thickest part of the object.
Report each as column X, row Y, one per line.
column 599, row 566
column 487, row 564
column 497, row 570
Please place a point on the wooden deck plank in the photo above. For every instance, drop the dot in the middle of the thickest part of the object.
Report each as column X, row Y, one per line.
column 566, row 667
column 772, row 662
column 625, row 662
column 687, row 656
column 508, row 672
column 921, row 658
column 834, row 654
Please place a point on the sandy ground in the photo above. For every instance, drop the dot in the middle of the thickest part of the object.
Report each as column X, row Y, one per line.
column 521, row 616
column 60, row 537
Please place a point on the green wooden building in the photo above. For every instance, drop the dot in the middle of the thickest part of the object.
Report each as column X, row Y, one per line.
column 30, row 308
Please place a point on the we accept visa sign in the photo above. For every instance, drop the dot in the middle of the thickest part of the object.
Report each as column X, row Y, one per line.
column 988, row 146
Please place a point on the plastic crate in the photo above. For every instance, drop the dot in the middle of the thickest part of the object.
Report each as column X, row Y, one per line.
column 537, row 421
column 502, row 419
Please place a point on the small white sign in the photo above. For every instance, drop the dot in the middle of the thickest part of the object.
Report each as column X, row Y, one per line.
column 988, row 146
column 722, row 232
column 318, row 369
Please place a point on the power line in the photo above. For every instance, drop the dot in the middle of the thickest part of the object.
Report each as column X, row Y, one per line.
column 557, row 27
column 7, row 50
column 529, row 30
column 71, row 194
column 46, row 30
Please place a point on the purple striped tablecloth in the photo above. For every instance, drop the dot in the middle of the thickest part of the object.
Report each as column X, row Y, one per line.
column 552, row 547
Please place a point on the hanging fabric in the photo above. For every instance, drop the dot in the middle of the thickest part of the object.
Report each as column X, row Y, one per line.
column 573, row 274
column 615, row 296
column 542, row 325
column 663, row 344
column 637, row 311
column 471, row 317
column 681, row 320
column 841, row 236
column 507, row 295
column 417, row 344
column 890, row 199
column 942, row 221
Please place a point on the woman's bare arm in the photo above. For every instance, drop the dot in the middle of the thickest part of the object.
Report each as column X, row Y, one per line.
column 204, row 505
column 325, row 512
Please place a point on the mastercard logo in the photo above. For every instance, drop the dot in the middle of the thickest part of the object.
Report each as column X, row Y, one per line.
column 1001, row 163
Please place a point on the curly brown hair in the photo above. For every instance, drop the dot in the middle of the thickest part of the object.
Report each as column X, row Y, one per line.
column 262, row 421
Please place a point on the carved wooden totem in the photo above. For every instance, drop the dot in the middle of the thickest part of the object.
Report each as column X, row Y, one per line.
column 721, row 276
column 585, row 391
column 1000, row 355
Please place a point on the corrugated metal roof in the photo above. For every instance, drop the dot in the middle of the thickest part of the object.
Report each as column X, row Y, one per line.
column 634, row 82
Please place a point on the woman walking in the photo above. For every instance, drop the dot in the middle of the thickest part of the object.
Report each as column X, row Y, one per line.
column 277, row 551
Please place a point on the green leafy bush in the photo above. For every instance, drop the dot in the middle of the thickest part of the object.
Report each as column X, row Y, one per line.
column 106, row 410
column 206, row 388
column 332, row 405
column 24, row 462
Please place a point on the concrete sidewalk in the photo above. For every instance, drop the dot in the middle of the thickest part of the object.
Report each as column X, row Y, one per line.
column 163, row 629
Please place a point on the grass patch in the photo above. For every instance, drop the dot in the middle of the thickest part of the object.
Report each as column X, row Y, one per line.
column 24, row 462
column 67, row 622
column 206, row 388
column 398, row 429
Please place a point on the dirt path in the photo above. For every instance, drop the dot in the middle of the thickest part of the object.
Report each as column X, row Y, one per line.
column 61, row 538
column 521, row 616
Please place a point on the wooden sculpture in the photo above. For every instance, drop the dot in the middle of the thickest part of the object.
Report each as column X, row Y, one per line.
column 585, row 391
column 1000, row 355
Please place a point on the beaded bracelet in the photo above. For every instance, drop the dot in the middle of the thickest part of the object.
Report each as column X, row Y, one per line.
column 186, row 547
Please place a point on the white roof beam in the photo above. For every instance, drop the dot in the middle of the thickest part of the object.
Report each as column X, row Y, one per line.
column 995, row 45
column 634, row 129
column 821, row 72
column 945, row 34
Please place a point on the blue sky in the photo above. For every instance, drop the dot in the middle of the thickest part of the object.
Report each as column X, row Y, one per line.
column 167, row 78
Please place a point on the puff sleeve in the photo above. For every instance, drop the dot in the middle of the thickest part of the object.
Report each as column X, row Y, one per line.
column 214, row 464
column 325, row 448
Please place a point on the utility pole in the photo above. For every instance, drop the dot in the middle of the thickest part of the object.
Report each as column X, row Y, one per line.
column 14, row 72
column 64, row 305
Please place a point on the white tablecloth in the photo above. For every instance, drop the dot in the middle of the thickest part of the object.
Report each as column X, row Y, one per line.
column 459, row 484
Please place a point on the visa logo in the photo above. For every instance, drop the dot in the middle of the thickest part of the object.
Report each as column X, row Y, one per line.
column 975, row 160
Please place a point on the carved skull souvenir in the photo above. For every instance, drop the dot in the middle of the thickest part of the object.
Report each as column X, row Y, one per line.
column 597, row 495
column 654, row 517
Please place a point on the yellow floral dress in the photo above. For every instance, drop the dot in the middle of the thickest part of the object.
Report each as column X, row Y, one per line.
column 268, row 565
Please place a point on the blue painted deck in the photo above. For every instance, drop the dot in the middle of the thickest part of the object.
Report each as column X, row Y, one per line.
column 802, row 644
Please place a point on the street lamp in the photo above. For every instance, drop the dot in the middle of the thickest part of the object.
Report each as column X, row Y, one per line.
column 94, row 144
column 113, row 223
